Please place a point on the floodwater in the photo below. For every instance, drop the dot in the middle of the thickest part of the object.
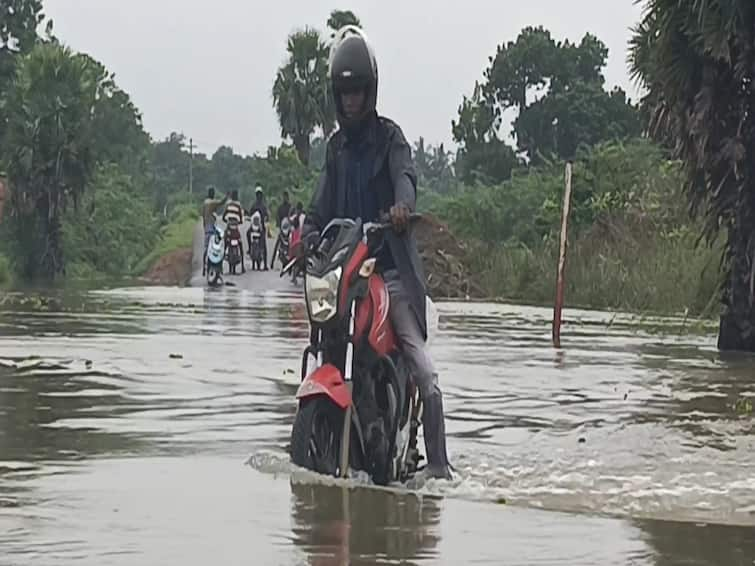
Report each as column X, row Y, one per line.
column 150, row 426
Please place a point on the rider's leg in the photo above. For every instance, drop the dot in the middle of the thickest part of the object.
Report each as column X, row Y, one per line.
column 421, row 366
column 207, row 235
column 275, row 253
column 264, row 247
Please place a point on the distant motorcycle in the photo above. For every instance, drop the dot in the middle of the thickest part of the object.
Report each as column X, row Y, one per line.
column 283, row 242
column 215, row 257
column 234, row 253
column 257, row 237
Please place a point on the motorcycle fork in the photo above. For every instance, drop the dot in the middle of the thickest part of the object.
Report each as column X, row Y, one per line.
column 348, row 368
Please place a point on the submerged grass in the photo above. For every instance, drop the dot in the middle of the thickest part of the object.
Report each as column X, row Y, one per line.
column 177, row 234
column 611, row 267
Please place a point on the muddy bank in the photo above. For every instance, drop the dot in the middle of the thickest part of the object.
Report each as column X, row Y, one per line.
column 446, row 260
column 173, row 269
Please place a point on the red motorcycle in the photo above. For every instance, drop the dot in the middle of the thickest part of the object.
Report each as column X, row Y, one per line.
column 359, row 408
column 234, row 253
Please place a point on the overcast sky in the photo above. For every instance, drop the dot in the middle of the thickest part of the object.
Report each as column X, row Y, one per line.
column 206, row 68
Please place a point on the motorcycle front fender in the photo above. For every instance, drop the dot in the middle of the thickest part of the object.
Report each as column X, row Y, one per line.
column 326, row 380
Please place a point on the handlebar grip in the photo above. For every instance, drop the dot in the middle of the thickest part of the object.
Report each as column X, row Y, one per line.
column 413, row 217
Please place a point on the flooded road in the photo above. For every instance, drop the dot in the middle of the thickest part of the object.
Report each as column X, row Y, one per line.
column 150, row 426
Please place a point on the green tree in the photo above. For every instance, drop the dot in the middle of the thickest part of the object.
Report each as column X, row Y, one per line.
column 169, row 169
column 341, row 18
column 520, row 66
column 697, row 62
column 434, row 167
column 300, row 91
column 119, row 135
column 19, row 20
column 557, row 90
column 482, row 156
column 567, row 119
column 50, row 145
column 114, row 227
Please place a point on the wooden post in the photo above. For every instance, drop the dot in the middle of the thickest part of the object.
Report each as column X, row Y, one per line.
column 560, row 282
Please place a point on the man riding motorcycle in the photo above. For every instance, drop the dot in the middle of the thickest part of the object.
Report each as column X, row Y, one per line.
column 233, row 216
column 284, row 209
column 259, row 206
column 368, row 172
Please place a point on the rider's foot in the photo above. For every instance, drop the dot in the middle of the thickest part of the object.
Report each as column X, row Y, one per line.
column 430, row 473
column 434, row 430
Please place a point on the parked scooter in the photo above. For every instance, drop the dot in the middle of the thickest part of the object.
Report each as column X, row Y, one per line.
column 215, row 258
column 255, row 252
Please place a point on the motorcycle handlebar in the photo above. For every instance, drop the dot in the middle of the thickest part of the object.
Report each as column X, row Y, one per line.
column 386, row 224
column 369, row 227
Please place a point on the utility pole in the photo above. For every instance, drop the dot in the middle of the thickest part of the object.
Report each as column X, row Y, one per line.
column 191, row 165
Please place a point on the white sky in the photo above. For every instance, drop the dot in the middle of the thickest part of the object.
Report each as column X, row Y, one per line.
column 206, row 68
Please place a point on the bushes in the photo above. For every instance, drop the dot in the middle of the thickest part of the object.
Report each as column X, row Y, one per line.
column 111, row 230
column 177, row 233
column 632, row 244
column 655, row 272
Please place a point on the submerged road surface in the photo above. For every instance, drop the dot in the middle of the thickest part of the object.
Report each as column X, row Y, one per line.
column 151, row 426
column 251, row 280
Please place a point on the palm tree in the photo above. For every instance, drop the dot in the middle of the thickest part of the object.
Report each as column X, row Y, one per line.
column 49, row 146
column 341, row 18
column 300, row 91
column 697, row 61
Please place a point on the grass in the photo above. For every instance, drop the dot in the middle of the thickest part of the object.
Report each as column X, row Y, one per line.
column 177, row 234
column 6, row 273
column 611, row 268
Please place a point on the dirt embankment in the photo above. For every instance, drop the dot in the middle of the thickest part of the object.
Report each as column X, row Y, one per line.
column 173, row 269
column 446, row 261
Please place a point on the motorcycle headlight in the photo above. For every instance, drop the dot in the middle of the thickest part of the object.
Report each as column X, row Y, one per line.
column 322, row 295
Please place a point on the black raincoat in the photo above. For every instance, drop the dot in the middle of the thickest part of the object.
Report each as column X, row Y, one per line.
column 394, row 181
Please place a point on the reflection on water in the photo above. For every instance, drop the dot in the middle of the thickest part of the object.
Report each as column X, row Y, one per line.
column 675, row 544
column 619, row 423
column 338, row 525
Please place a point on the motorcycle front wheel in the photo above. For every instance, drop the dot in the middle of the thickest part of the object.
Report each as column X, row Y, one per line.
column 316, row 436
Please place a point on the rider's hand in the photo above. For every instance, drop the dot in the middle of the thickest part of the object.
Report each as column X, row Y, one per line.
column 400, row 214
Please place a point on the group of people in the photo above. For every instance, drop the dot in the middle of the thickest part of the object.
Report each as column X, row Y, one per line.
column 233, row 215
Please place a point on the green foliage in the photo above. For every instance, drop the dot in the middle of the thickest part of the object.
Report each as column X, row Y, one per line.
column 558, row 92
column 113, row 228
column 632, row 180
column 50, row 144
column 6, row 272
column 341, row 18
column 614, row 266
column 521, row 66
column 434, row 167
column 176, row 234
column 300, row 91
column 19, row 20
column 632, row 245
column 568, row 120
column 697, row 64
column 482, row 156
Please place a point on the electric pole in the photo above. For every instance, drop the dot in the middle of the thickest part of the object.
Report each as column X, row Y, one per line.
column 191, row 165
